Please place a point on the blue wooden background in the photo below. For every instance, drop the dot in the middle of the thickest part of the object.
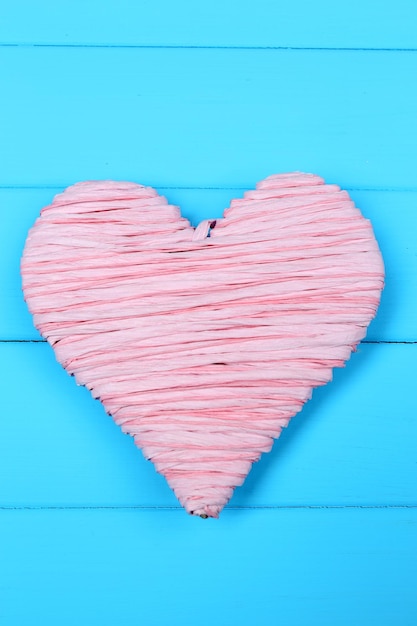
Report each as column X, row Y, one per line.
column 201, row 100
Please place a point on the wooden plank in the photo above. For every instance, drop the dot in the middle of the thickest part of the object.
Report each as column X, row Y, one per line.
column 392, row 214
column 396, row 319
column 354, row 443
column 187, row 117
column 210, row 118
column 255, row 567
column 215, row 23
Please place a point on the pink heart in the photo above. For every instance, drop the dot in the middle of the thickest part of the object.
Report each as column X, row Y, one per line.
column 203, row 343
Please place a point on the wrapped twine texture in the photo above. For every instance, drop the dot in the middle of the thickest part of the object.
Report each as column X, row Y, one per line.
column 203, row 343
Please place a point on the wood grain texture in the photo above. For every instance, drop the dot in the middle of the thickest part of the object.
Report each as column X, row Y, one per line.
column 91, row 90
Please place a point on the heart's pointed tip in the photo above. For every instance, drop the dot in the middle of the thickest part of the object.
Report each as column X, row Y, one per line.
column 206, row 512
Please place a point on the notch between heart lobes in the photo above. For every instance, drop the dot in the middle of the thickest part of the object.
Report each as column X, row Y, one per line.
column 203, row 343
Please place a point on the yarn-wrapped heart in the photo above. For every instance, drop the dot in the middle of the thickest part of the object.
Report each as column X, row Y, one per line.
column 203, row 343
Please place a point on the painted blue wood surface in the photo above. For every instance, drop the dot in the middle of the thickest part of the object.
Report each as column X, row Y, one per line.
column 202, row 101
column 198, row 117
column 353, row 444
column 323, row 23
column 393, row 216
column 292, row 567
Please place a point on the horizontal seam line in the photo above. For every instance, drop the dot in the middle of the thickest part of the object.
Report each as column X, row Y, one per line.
column 205, row 47
column 376, row 341
column 230, row 508
column 203, row 188
column 387, row 341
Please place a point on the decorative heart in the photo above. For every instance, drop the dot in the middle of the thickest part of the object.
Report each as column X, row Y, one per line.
column 203, row 343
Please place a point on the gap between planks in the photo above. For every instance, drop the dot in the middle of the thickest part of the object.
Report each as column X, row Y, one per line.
column 204, row 47
column 373, row 342
column 202, row 188
column 229, row 508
